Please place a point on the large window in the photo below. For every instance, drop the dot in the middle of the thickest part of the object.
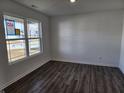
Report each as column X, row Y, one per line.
column 23, row 37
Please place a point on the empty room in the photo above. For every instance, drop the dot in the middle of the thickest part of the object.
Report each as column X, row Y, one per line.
column 61, row 46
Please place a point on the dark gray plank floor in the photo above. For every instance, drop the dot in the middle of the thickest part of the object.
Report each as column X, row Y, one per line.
column 60, row 77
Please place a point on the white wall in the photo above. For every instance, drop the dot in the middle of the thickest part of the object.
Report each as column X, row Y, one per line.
column 10, row 73
column 93, row 38
column 121, row 65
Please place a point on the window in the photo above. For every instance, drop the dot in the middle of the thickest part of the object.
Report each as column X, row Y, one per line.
column 33, row 37
column 23, row 37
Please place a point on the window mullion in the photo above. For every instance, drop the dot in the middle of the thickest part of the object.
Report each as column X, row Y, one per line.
column 26, row 37
column 40, row 36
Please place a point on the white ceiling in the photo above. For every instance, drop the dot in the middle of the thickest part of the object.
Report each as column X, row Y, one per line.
column 64, row 7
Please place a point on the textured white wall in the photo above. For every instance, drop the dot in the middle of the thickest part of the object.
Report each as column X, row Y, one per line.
column 93, row 38
column 10, row 73
column 121, row 65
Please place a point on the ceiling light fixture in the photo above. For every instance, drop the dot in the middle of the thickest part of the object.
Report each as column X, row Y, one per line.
column 73, row 1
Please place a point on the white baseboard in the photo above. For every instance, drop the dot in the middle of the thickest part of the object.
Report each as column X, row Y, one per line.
column 82, row 62
column 122, row 70
column 22, row 75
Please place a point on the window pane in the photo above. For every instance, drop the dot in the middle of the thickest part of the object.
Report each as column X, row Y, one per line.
column 33, row 29
column 16, row 50
column 14, row 27
column 34, row 46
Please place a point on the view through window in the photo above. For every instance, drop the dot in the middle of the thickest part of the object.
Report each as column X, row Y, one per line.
column 22, row 37
column 33, row 37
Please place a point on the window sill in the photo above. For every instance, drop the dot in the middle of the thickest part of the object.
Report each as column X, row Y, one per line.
column 24, row 59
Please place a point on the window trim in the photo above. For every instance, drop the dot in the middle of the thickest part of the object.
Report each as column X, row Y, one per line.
column 26, row 37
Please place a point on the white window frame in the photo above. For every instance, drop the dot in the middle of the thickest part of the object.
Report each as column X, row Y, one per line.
column 26, row 37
